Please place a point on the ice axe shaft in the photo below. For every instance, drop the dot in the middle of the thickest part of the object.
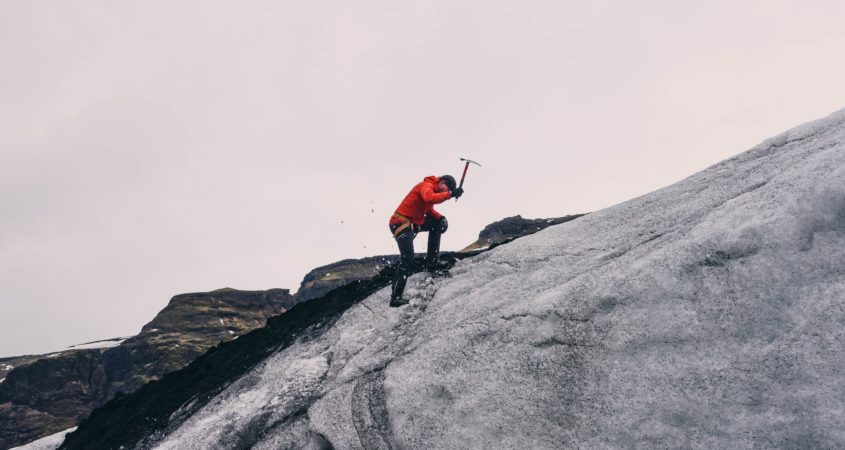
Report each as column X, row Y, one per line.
column 466, row 166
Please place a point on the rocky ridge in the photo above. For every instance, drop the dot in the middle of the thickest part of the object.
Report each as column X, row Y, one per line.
column 41, row 395
column 513, row 227
column 318, row 282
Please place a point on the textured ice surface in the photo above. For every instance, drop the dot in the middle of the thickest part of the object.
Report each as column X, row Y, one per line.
column 708, row 314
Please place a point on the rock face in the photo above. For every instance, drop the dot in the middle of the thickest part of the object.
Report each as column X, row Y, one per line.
column 321, row 280
column 511, row 228
column 192, row 323
column 50, row 394
column 43, row 395
column 7, row 364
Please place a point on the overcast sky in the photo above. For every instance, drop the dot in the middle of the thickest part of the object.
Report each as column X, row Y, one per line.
column 151, row 148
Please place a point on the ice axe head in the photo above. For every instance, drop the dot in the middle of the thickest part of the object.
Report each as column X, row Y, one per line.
column 466, row 166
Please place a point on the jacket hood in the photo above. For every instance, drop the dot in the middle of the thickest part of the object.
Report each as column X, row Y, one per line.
column 432, row 179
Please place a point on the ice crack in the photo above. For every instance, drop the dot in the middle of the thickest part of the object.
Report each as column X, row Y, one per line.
column 369, row 412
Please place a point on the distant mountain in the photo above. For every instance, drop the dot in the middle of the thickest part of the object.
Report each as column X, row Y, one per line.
column 707, row 314
column 41, row 395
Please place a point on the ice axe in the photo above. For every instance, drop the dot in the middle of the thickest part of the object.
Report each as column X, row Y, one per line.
column 466, row 166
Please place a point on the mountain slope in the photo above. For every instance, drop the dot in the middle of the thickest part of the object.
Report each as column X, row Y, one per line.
column 707, row 314
column 59, row 391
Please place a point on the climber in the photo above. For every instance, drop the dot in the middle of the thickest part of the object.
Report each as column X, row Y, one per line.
column 415, row 214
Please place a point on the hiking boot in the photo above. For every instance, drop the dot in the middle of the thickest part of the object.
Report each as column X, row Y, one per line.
column 394, row 302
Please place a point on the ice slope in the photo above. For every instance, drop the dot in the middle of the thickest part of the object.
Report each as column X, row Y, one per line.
column 708, row 314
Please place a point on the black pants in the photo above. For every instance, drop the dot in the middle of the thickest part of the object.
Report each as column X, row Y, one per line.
column 405, row 241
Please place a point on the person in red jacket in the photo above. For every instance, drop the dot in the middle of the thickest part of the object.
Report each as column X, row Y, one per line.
column 416, row 214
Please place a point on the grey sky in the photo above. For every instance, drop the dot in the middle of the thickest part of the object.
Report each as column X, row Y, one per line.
column 154, row 148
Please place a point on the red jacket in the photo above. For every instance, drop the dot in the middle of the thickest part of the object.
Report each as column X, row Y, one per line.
column 421, row 200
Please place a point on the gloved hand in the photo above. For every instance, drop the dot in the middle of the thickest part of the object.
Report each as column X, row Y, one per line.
column 457, row 192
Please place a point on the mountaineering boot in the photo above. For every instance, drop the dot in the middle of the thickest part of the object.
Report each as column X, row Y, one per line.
column 394, row 302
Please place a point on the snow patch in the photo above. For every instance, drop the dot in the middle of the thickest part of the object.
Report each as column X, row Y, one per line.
column 51, row 442
column 107, row 343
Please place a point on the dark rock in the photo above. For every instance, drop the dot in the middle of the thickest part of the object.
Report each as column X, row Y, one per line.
column 514, row 227
column 7, row 364
column 321, row 280
column 42, row 395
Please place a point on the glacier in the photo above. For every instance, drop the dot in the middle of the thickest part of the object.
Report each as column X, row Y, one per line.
column 707, row 314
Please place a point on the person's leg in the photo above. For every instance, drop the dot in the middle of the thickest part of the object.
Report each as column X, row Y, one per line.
column 405, row 241
column 435, row 228
column 433, row 251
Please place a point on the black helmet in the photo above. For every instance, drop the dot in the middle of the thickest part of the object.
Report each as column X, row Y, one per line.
column 450, row 181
